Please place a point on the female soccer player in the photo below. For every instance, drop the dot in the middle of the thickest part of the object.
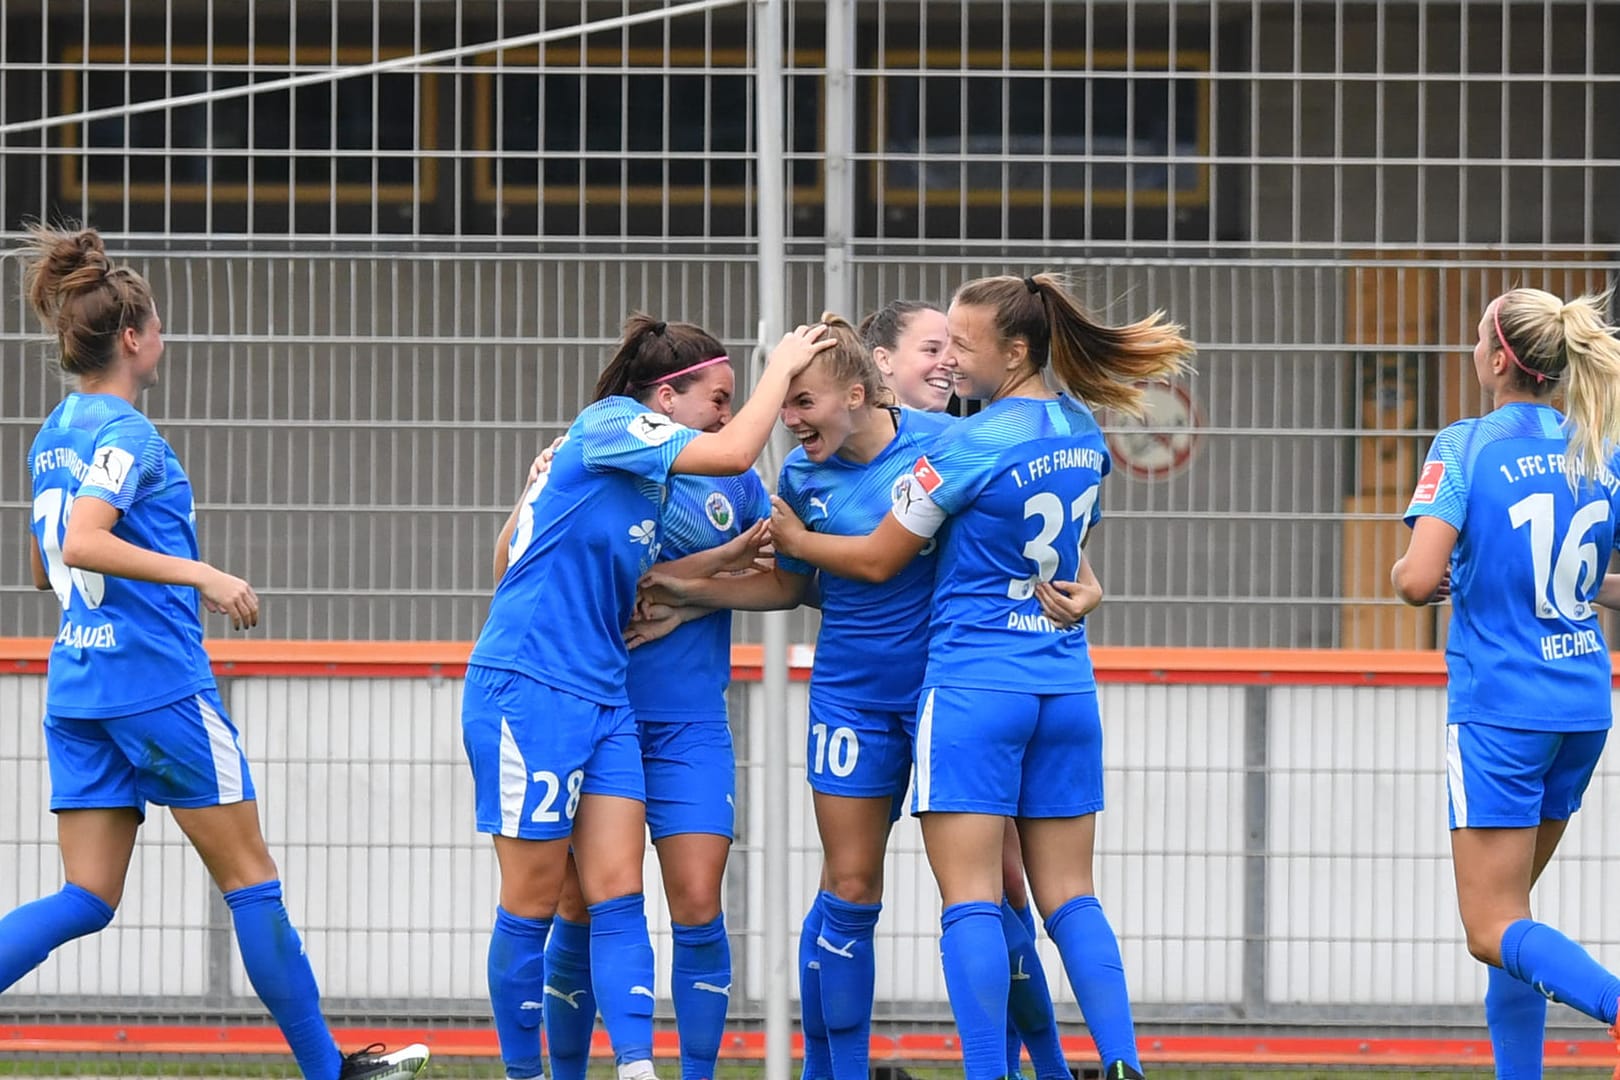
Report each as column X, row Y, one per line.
column 677, row 690
column 1514, row 517
column 853, row 446
column 908, row 341
column 132, row 714
column 545, row 717
column 1020, row 481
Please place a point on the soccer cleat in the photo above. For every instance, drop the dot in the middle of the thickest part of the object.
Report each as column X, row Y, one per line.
column 375, row 1063
column 637, row 1070
column 1118, row 1070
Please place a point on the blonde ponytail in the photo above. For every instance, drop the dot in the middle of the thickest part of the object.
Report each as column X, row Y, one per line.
column 1570, row 344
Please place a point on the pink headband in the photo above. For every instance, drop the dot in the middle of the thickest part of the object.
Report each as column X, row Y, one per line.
column 1496, row 321
column 699, row 366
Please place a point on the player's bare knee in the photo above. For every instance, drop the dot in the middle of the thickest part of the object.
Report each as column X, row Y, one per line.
column 856, row 884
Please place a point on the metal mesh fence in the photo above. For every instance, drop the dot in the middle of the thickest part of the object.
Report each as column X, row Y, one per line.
column 383, row 294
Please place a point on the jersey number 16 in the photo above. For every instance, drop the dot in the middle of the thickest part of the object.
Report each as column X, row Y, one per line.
column 53, row 507
column 1577, row 557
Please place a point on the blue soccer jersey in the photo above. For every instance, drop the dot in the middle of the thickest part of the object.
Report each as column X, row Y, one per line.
column 1019, row 482
column 587, row 530
column 685, row 674
column 1525, row 648
column 125, row 646
column 873, row 644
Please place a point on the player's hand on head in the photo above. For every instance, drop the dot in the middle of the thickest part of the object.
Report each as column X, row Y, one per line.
column 800, row 346
column 226, row 595
column 786, row 528
column 1065, row 603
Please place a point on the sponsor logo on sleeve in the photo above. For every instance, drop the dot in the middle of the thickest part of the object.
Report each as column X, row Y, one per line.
column 654, row 429
column 1428, row 485
column 926, row 477
column 109, row 469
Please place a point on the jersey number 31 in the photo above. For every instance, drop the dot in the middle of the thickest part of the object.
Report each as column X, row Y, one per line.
column 1049, row 508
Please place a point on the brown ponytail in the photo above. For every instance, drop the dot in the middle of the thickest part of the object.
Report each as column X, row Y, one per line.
column 80, row 296
column 1098, row 363
column 649, row 350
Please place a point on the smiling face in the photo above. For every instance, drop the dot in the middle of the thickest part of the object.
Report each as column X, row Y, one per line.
column 914, row 369
column 821, row 412
column 705, row 403
column 976, row 357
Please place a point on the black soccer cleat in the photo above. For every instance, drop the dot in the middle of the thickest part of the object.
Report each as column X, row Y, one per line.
column 376, row 1063
column 1118, row 1070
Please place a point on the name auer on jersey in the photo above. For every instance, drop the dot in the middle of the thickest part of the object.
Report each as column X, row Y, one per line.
column 60, row 457
column 1068, row 457
column 1557, row 464
column 75, row 636
column 1564, row 646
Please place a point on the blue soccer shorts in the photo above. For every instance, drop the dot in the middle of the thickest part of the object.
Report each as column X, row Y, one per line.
column 1008, row 753
column 186, row 754
column 1507, row 778
column 857, row 752
column 691, row 772
column 535, row 750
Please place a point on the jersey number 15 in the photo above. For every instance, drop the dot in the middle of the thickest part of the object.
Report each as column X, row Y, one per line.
column 52, row 507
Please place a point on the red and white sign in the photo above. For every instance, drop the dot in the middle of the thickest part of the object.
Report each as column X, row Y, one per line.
column 1163, row 441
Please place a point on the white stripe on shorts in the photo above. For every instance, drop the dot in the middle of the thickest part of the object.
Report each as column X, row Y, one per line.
column 226, row 753
column 925, row 753
column 514, row 781
column 1454, row 776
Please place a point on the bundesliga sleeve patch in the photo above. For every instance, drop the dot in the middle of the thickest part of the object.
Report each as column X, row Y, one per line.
column 109, row 469
column 1428, row 485
column 926, row 477
column 654, row 429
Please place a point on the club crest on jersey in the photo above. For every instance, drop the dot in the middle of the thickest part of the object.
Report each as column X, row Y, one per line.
column 717, row 508
column 926, row 477
column 110, row 468
column 1428, row 485
column 654, row 429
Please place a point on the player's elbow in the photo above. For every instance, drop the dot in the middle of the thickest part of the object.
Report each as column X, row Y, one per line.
column 1414, row 584
column 78, row 549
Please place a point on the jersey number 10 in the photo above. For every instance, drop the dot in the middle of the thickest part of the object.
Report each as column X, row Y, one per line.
column 52, row 507
column 1577, row 560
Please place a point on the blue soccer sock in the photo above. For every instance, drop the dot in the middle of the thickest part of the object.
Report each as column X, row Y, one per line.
column 1029, row 999
column 1091, row 958
column 570, row 1002
column 622, row 975
column 517, row 989
column 276, row 965
column 1516, row 1014
column 1539, row 955
column 701, row 985
column 848, row 978
column 30, row 933
column 974, row 951
column 817, row 1053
